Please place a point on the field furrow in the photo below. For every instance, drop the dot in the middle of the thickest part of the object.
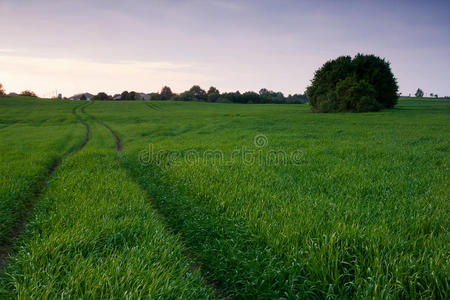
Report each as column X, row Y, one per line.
column 327, row 225
column 25, row 179
column 94, row 222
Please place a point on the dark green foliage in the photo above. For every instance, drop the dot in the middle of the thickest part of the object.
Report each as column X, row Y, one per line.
column 102, row 96
column 133, row 96
column 296, row 99
column 124, row 95
column 166, row 93
column 155, row 96
column 264, row 96
column 356, row 95
column 129, row 95
column 83, row 97
column 213, row 94
column 195, row 93
column 28, row 93
column 367, row 77
column 419, row 93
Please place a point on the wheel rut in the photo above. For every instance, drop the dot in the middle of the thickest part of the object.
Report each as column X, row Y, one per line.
column 194, row 264
column 114, row 134
column 152, row 106
column 7, row 247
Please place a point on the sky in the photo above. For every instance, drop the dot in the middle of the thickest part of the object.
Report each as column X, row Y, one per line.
column 111, row 45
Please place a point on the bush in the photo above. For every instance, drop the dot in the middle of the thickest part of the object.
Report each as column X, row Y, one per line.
column 356, row 95
column 28, row 93
column 364, row 83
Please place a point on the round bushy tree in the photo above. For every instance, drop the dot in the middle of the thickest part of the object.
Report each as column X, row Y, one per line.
column 364, row 83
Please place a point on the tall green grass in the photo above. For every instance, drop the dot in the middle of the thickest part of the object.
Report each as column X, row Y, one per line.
column 364, row 214
column 95, row 235
column 34, row 134
column 361, row 211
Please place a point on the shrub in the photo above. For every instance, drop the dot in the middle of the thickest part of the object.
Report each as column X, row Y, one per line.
column 356, row 95
column 364, row 83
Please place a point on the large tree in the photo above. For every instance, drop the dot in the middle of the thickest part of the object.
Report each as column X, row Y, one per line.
column 364, row 83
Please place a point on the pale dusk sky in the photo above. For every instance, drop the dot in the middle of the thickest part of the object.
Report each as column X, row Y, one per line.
column 111, row 45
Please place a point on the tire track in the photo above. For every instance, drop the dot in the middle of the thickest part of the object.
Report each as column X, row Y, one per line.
column 194, row 264
column 152, row 106
column 116, row 137
column 5, row 248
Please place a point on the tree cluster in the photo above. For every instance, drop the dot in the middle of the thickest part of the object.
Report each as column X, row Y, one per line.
column 129, row 95
column 102, row 97
column 28, row 93
column 364, row 83
column 196, row 93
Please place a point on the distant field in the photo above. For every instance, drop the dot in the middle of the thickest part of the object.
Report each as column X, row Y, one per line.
column 216, row 200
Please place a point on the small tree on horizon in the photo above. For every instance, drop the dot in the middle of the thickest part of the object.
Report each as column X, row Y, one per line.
column 124, row 95
column 166, row 93
column 28, row 93
column 419, row 93
column 102, row 96
column 213, row 94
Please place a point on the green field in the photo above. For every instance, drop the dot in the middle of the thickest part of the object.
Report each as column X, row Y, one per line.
column 224, row 200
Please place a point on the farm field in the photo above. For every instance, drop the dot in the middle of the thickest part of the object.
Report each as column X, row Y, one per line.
column 225, row 200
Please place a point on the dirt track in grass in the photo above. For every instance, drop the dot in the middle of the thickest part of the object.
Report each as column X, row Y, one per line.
column 5, row 248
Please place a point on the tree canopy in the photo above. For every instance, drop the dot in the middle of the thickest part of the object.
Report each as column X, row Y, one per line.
column 364, row 83
column 102, row 96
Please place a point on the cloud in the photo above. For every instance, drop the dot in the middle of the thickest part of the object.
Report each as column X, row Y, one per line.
column 70, row 75
column 6, row 50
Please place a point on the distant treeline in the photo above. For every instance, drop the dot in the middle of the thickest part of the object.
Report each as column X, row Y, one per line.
column 196, row 93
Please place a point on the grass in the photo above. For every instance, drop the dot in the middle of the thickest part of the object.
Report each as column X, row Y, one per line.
column 355, row 205
column 363, row 214
column 34, row 134
column 95, row 235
